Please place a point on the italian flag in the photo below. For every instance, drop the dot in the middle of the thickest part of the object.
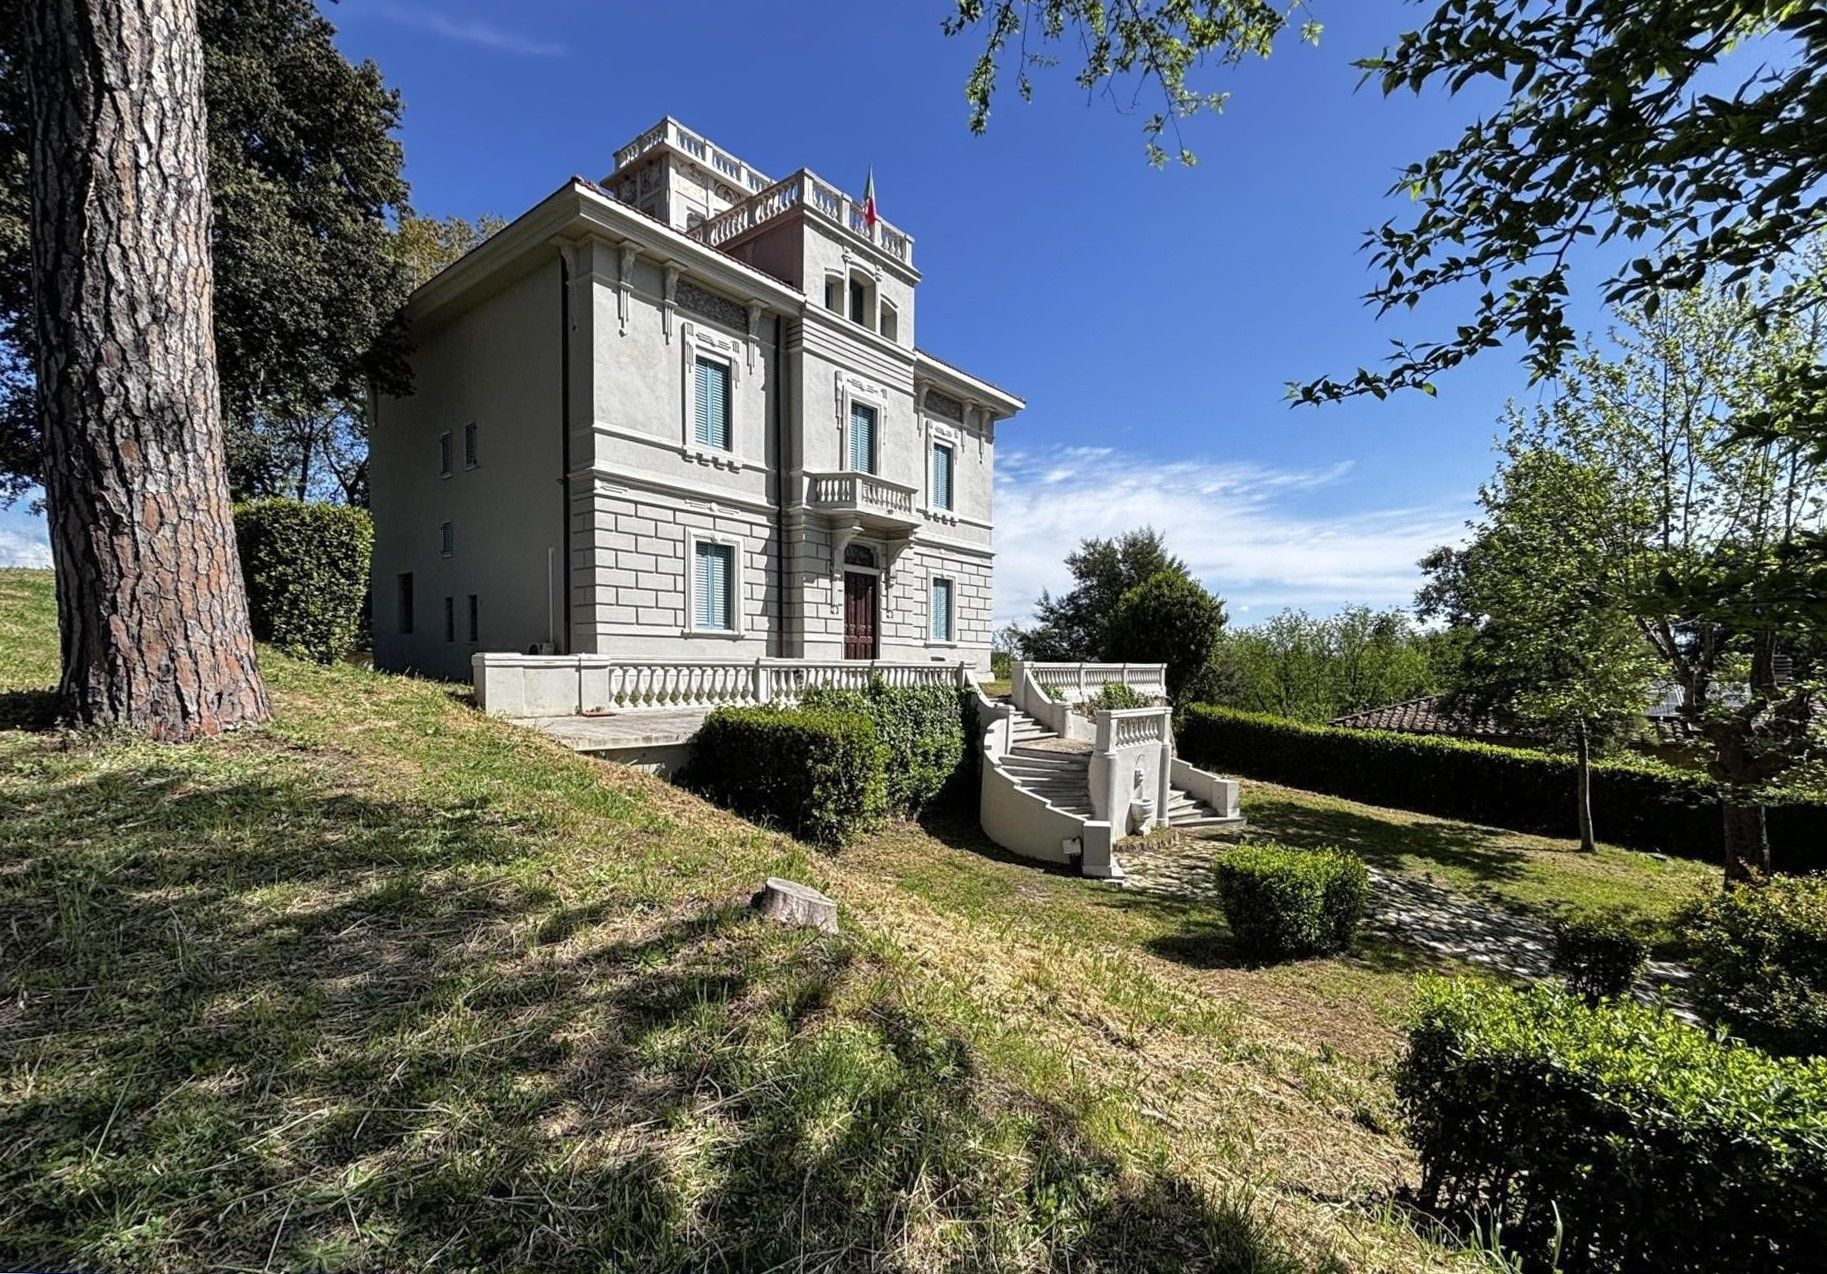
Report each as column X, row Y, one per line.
column 869, row 217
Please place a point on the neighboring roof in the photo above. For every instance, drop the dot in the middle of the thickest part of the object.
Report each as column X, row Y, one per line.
column 1420, row 716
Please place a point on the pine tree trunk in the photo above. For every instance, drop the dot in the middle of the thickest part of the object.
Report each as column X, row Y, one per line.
column 1588, row 842
column 150, row 599
column 1747, row 843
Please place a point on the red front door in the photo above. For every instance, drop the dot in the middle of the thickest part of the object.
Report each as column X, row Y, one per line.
column 859, row 615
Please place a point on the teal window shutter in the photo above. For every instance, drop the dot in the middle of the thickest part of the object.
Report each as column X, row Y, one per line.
column 942, row 610
column 942, row 476
column 713, row 603
column 862, row 437
column 711, row 413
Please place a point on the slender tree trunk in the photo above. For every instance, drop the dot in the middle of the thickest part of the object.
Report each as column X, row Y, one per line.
column 150, row 599
column 1747, row 843
column 1583, row 795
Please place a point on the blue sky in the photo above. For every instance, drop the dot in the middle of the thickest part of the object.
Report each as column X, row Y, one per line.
column 1151, row 318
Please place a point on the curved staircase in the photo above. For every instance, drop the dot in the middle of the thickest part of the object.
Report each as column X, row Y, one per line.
column 1058, row 772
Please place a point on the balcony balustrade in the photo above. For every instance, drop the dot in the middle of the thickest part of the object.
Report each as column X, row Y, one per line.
column 864, row 497
column 670, row 132
column 804, row 189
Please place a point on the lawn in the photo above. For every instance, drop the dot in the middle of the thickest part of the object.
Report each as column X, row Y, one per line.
column 388, row 984
column 1531, row 873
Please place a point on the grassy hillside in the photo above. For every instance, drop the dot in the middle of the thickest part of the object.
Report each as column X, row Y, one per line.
column 391, row 985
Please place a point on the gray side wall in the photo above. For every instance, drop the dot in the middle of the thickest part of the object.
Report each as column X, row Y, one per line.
column 499, row 366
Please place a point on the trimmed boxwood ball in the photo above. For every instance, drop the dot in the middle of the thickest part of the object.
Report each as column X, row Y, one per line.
column 1641, row 1142
column 1282, row 902
column 1598, row 953
column 1759, row 954
column 816, row 773
column 306, row 567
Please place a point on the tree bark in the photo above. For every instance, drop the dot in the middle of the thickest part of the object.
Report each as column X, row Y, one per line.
column 1747, row 843
column 1588, row 843
column 150, row 601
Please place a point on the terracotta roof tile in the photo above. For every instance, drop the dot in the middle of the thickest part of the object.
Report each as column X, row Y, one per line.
column 1419, row 716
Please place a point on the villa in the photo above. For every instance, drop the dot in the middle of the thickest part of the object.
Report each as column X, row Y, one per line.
column 680, row 413
column 671, row 446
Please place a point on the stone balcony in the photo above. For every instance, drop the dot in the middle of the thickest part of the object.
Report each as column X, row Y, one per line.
column 804, row 190
column 864, row 501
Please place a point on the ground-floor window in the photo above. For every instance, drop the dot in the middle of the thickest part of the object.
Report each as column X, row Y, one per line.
column 404, row 597
column 714, row 588
column 942, row 610
column 450, row 619
column 475, row 620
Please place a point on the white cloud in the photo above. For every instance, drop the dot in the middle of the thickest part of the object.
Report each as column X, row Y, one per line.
column 24, row 545
column 466, row 30
column 1234, row 523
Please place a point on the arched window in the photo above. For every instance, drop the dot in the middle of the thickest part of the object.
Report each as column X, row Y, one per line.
column 859, row 555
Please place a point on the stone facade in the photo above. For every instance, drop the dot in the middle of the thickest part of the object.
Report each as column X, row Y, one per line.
column 564, row 374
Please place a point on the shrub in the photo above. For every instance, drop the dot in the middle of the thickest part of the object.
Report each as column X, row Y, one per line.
column 921, row 730
column 1650, row 1144
column 1599, row 953
column 1759, row 955
column 1283, row 902
column 1637, row 803
column 814, row 772
column 306, row 567
column 1116, row 696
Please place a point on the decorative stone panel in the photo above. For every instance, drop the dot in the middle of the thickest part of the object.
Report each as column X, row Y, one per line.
column 707, row 304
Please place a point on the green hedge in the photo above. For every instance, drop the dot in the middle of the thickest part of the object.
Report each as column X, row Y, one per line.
column 814, row 772
column 306, row 567
column 1760, row 962
column 1282, row 902
column 1650, row 1145
column 922, row 732
column 1638, row 804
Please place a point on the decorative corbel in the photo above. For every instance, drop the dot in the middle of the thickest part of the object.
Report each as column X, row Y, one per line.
column 670, row 296
column 624, row 289
column 892, row 550
column 754, row 331
column 840, row 540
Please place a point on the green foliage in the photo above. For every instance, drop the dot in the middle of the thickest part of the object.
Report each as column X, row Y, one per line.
column 1599, row 953
column 1282, row 902
column 1315, row 669
column 1117, row 696
column 922, row 734
column 304, row 171
column 1168, row 618
column 1600, row 132
column 1649, row 806
column 1149, row 44
column 1760, row 961
column 1555, row 650
column 306, row 567
column 1072, row 628
column 817, row 773
column 1645, row 1144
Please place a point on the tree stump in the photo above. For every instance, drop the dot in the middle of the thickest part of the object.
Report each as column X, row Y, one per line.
column 792, row 903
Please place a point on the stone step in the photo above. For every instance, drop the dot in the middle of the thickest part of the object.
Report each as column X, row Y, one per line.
column 1044, row 761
